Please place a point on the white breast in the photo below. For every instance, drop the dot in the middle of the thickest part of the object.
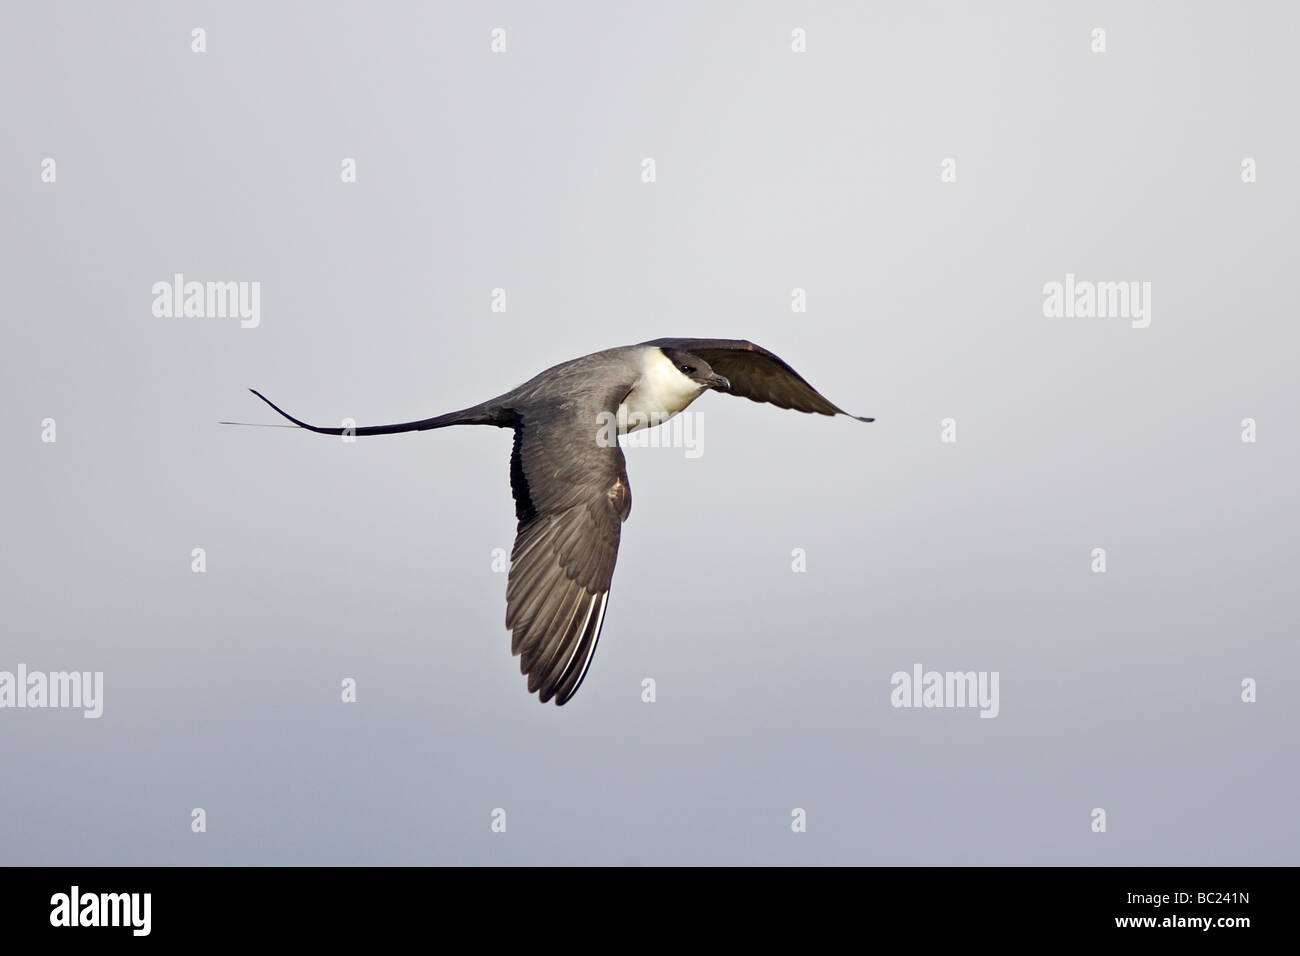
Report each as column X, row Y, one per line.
column 662, row 391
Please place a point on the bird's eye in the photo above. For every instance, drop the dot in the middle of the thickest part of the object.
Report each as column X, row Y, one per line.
column 688, row 369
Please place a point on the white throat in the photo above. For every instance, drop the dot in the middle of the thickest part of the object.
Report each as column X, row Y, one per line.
column 661, row 392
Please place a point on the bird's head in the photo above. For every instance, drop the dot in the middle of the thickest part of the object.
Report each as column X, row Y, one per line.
column 697, row 370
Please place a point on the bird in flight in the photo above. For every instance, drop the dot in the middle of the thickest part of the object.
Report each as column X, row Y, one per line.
column 570, row 480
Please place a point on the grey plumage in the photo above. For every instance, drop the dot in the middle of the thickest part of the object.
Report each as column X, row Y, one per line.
column 571, row 488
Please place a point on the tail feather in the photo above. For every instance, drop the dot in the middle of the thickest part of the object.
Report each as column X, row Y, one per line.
column 476, row 415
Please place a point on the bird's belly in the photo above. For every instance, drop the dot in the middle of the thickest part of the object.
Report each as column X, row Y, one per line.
column 643, row 409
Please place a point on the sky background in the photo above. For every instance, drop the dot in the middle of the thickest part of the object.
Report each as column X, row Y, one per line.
column 775, row 170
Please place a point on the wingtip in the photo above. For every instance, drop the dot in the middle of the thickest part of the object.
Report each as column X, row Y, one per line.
column 862, row 419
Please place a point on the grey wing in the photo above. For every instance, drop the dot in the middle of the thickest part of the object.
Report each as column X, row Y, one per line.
column 571, row 498
column 757, row 374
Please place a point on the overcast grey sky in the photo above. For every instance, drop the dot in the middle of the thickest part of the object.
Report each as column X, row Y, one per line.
column 775, row 170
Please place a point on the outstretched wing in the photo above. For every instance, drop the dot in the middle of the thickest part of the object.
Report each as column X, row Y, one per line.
column 571, row 497
column 757, row 374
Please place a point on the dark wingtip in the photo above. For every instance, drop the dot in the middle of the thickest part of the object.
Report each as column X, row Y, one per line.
column 861, row 419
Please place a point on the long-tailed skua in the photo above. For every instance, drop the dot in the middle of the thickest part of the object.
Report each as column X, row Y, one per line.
column 570, row 483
